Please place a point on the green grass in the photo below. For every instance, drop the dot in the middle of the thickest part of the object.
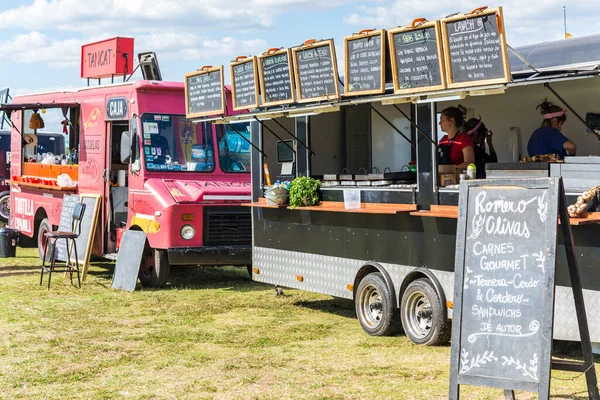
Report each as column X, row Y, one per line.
column 212, row 334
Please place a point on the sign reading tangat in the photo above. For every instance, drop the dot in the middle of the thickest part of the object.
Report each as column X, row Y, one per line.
column 315, row 68
column 110, row 57
column 475, row 48
column 417, row 57
column 244, row 83
column 364, row 63
column 204, row 92
column 276, row 77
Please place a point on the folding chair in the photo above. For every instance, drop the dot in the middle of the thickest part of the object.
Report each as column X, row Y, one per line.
column 54, row 236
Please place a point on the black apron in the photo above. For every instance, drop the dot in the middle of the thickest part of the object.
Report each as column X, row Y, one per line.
column 443, row 153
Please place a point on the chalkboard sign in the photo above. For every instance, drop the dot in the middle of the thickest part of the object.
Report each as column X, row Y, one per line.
column 475, row 49
column 204, row 92
column 417, row 58
column 128, row 260
column 276, row 77
column 244, row 83
column 364, row 63
column 88, row 228
column 504, row 284
column 315, row 68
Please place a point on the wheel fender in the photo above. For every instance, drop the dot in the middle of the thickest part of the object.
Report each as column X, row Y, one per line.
column 418, row 273
column 5, row 193
column 370, row 267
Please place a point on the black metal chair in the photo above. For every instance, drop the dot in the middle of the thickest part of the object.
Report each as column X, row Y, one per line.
column 54, row 236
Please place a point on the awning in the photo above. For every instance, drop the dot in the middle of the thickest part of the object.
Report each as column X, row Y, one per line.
column 35, row 106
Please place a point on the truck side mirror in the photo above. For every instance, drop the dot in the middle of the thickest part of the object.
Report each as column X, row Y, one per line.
column 126, row 147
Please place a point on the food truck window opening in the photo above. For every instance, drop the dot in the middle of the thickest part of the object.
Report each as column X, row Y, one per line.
column 173, row 143
column 285, row 154
column 234, row 151
column 4, row 156
column 59, row 137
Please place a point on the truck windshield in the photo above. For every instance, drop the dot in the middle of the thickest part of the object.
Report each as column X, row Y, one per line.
column 234, row 151
column 173, row 143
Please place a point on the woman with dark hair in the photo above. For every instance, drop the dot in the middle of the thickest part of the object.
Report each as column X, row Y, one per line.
column 481, row 135
column 456, row 147
column 548, row 139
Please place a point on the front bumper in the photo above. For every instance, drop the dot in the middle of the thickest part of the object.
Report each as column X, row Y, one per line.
column 211, row 255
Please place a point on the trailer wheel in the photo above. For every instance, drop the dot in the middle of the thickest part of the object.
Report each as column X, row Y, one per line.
column 154, row 268
column 375, row 310
column 4, row 206
column 41, row 239
column 423, row 316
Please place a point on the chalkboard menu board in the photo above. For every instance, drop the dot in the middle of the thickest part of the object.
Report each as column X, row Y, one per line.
column 315, row 68
column 475, row 49
column 364, row 63
column 88, row 228
column 417, row 58
column 204, row 93
column 504, row 284
column 276, row 77
column 244, row 84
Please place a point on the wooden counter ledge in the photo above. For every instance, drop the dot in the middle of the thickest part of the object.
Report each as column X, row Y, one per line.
column 438, row 211
column 338, row 206
column 42, row 186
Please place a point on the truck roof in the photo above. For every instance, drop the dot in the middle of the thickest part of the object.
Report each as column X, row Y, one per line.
column 68, row 93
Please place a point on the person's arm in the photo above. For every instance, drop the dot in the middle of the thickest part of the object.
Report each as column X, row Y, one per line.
column 468, row 156
column 570, row 147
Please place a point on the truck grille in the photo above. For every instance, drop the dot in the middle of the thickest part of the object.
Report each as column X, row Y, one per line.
column 227, row 226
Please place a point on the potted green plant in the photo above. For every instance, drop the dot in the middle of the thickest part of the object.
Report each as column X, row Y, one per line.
column 304, row 191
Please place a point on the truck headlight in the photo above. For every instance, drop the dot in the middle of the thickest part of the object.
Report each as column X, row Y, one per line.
column 187, row 232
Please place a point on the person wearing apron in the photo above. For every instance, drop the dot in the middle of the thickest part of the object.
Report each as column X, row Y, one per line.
column 456, row 147
column 481, row 136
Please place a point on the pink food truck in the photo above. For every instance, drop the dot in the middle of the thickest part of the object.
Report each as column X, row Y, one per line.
column 181, row 183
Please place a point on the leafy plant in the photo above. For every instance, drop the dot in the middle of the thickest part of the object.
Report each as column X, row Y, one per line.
column 304, row 192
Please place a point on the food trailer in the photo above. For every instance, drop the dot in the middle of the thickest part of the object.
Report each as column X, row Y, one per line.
column 179, row 182
column 394, row 255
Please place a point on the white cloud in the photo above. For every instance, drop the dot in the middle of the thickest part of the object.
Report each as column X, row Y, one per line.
column 153, row 15
column 36, row 47
column 525, row 22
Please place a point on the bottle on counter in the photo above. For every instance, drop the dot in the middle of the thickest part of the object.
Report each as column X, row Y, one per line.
column 471, row 171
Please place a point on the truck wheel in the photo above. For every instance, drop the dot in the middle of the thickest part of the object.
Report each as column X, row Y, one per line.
column 154, row 269
column 4, row 206
column 423, row 314
column 41, row 239
column 375, row 310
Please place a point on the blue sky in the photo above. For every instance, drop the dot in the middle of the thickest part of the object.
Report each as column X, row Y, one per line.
column 40, row 41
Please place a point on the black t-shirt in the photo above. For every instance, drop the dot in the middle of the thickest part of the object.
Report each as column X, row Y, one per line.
column 482, row 158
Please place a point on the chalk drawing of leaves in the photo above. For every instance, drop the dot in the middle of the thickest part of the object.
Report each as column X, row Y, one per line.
column 541, row 259
column 466, row 285
column 477, row 226
column 530, row 372
column 475, row 362
column 542, row 207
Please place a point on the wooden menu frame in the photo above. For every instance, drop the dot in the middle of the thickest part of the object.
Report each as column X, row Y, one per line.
column 237, row 62
column 308, row 45
column 441, row 57
column 202, row 71
column 479, row 12
column 270, row 53
column 362, row 35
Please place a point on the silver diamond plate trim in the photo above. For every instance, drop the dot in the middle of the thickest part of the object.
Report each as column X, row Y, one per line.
column 331, row 275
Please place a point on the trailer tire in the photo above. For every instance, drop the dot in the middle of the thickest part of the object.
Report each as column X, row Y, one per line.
column 44, row 228
column 375, row 307
column 423, row 316
column 4, row 206
column 154, row 268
